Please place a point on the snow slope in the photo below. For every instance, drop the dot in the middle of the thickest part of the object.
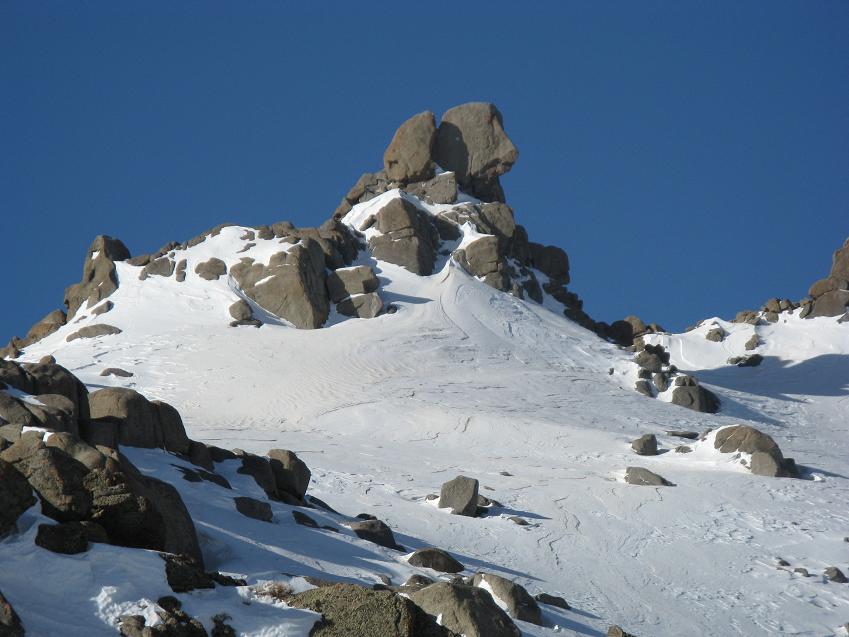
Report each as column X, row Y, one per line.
column 463, row 379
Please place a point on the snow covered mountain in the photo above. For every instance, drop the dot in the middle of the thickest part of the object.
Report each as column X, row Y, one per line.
column 415, row 337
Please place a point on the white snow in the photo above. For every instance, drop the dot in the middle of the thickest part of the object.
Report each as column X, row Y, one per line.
column 463, row 379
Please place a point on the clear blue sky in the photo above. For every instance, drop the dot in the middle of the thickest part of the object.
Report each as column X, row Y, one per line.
column 691, row 157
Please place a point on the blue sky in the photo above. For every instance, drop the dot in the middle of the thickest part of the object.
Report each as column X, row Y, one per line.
column 691, row 157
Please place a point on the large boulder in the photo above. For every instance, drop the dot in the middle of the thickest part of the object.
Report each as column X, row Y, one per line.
column 471, row 143
column 460, row 495
column 15, row 497
column 519, row 603
column 348, row 611
column 694, row 396
column 361, row 306
column 211, row 269
column 466, row 610
column 291, row 474
column 408, row 156
column 645, row 445
column 376, row 531
column 141, row 423
column 437, row 559
column 766, row 456
column 50, row 378
column 292, row 285
column 407, row 237
column 99, row 278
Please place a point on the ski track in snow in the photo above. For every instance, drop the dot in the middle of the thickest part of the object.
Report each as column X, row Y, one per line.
column 464, row 379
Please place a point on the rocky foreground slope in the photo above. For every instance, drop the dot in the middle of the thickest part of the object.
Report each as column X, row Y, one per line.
column 403, row 422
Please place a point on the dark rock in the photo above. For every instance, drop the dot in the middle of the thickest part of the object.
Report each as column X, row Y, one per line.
column 752, row 360
column 252, row 508
column 696, row 398
column 515, row 519
column 116, row 371
column 466, row 610
column 641, row 476
column 48, row 360
column 834, row 574
column 68, row 538
column 376, row 531
column 520, row 605
column 260, row 470
column 645, row 445
column 551, row 261
column 437, row 559
column 99, row 279
column 832, row 303
column 354, row 611
column 10, row 623
column 802, row 571
column 552, row 600
column 471, row 143
column 304, row 520
column 415, row 583
column 184, row 574
column 212, row 269
column 291, row 474
column 345, row 282
column 408, row 156
column 93, row 331
column 15, row 497
column 689, row 435
column 181, row 270
column 460, row 495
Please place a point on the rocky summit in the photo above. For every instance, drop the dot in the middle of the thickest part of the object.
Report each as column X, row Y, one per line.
column 404, row 422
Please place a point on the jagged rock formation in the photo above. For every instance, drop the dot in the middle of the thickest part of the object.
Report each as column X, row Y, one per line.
column 831, row 294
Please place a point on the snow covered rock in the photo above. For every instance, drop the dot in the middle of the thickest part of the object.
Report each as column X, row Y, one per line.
column 471, row 143
column 466, row 610
column 516, row 600
column 349, row 610
column 68, row 538
column 552, row 600
column 436, row 559
column 291, row 286
column 834, row 574
column 767, row 459
column 408, row 156
column 460, row 495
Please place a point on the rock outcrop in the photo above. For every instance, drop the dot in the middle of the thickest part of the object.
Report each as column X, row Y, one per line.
column 407, row 237
column 408, row 156
column 460, row 495
column 831, row 295
column 99, row 278
column 466, row 610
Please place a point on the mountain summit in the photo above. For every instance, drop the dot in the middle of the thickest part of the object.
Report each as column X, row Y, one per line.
column 403, row 423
